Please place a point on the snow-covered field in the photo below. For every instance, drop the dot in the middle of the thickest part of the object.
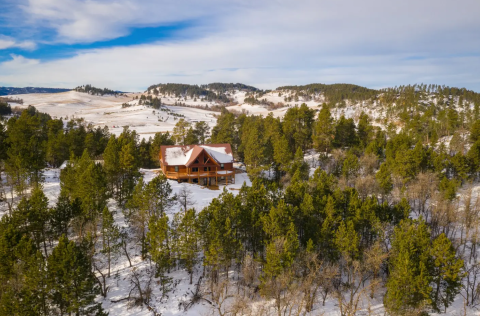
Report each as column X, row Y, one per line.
column 107, row 111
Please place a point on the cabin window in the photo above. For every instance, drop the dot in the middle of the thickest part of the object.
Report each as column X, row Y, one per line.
column 176, row 168
column 206, row 168
column 194, row 169
column 222, row 166
column 196, row 161
column 204, row 159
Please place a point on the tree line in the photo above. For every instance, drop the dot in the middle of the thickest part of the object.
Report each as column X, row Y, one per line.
column 95, row 91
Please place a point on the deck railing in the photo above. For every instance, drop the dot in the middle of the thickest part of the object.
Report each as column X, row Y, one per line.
column 200, row 174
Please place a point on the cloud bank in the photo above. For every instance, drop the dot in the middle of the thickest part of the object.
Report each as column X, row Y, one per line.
column 264, row 43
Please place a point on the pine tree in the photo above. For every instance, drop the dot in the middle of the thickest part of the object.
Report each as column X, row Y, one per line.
column 408, row 286
column 202, row 132
column 71, row 283
column 384, row 179
column 128, row 164
column 160, row 248
column 180, row 131
column 57, row 149
column 159, row 196
column 158, row 140
column 254, row 155
column 62, row 214
column 299, row 166
column 34, row 214
column 347, row 241
column 324, row 130
column 282, row 154
column 191, row 138
column 345, row 135
column 111, row 163
column 138, row 214
column 110, row 237
column 350, row 166
column 84, row 179
column 446, row 273
column 26, row 150
column 187, row 240
column 22, row 273
column 225, row 131
column 364, row 130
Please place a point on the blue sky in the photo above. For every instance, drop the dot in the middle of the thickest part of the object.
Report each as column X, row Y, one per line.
column 129, row 45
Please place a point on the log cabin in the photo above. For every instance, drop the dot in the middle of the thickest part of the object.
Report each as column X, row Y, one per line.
column 210, row 164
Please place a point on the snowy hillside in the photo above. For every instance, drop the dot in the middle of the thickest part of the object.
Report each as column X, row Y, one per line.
column 107, row 111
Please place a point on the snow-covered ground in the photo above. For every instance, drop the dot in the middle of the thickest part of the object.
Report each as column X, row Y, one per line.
column 119, row 282
column 107, row 111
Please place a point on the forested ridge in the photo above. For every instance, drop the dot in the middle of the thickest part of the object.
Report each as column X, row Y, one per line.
column 95, row 91
column 334, row 93
column 185, row 90
column 340, row 209
column 14, row 90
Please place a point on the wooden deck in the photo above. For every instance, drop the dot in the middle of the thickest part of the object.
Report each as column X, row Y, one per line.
column 199, row 174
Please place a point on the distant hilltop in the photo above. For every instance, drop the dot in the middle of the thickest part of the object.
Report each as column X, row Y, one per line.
column 26, row 90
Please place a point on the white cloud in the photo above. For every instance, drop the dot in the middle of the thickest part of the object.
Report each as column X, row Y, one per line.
column 18, row 63
column 78, row 21
column 8, row 42
column 269, row 43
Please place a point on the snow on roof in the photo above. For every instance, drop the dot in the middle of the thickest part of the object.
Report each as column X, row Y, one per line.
column 219, row 154
column 181, row 155
column 177, row 156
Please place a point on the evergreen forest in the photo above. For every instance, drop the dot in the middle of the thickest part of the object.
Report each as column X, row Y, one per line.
column 341, row 210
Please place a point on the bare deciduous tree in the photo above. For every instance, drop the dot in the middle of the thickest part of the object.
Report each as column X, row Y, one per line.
column 359, row 279
column 185, row 198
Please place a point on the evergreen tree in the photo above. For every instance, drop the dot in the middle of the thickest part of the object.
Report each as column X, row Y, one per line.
column 202, row 132
column 225, row 132
column 191, row 138
column 159, row 196
column 324, row 130
column 350, row 166
column 187, row 240
column 22, row 273
column 254, row 152
column 62, row 214
column 180, row 131
column 160, row 248
column 34, row 214
column 282, row 154
column 384, row 179
column 138, row 214
column 110, row 237
column 446, row 273
column 298, row 127
column 71, row 282
column 84, row 179
column 158, row 140
column 345, row 135
column 364, row 130
column 57, row 147
column 26, row 150
column 408, row 286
